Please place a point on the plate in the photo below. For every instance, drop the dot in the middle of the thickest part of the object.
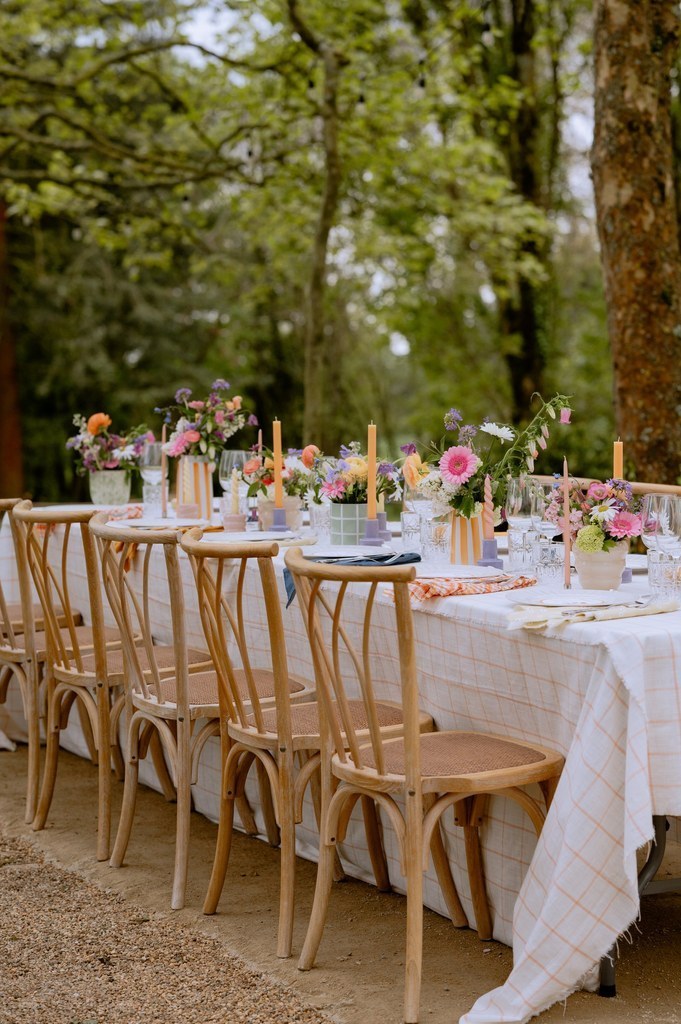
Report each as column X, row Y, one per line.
column 445, row 570
column 247, row 536
column 159, row 524
column 579, row 599
column 348, row 551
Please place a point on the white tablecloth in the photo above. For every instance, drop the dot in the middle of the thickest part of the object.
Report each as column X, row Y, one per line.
column 607, row 695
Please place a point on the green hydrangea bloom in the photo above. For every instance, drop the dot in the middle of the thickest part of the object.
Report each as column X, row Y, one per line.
column 590, row 538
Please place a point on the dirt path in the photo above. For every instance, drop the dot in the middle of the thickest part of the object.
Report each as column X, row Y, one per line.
column 360, row 973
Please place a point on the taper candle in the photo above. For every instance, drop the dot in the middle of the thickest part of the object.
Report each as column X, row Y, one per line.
column 276, row 451
column 566, row 524
column 164, row 474
column 488, row 511
column 260, row 445
column 371, row 474
column 618, row 460
column 235, row 492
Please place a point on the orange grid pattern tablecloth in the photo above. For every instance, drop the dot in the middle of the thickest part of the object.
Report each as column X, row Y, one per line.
column 607, row 695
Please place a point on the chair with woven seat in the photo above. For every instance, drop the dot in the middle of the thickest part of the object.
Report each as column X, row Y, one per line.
column 277, row 735
column 18, row 660
column 168, row 689
column 414, row 778
column 74, row 654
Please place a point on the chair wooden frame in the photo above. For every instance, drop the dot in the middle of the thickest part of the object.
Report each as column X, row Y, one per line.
column 154, row 721
column 274, row 736
column 384, row 769
column 76, row 655
column 18, row 660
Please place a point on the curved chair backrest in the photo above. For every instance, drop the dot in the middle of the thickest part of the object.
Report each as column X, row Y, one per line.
column 345, row 653
column 126, row 557
column 230, row 631
column 12, row 635
column 47, row 548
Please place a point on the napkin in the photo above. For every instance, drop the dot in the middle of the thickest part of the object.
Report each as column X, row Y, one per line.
column 447, row 586
column 405, row 558
column 526, row 617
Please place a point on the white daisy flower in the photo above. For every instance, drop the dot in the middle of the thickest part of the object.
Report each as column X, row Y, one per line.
column 497, row 430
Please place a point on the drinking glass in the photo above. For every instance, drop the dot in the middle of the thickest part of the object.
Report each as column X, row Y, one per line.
column 411, row 531
column 519, row 518
column 435, row 541
column 320, row 520
column 151, row 468
column 661, row 534
column 231, row 459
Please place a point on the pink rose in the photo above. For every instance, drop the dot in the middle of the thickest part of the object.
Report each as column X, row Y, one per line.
column 196, row 405
column 598, row 491
column 191, row 436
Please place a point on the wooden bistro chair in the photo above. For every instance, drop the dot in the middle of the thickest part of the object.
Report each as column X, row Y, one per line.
column 274, row 735
column 414, row 778
column 19, row 658
column 75, row 655
column 170, row 690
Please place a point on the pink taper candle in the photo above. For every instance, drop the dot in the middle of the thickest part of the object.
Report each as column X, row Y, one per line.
column 164, row 475
column 566, row 523
column 488, row 511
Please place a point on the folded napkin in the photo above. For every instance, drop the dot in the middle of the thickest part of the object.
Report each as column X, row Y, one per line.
column 528, row 617
column 404, row 558
column 447, row 586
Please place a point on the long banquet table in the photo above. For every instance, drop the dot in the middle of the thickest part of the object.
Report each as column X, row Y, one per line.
column 607, row 695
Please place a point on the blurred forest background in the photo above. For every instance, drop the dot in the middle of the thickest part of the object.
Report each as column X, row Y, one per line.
column 351, row 209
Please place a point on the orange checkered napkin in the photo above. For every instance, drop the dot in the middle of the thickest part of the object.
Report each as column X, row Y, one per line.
column 445, row 586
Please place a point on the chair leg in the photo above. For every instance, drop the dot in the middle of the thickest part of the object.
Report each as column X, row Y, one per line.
column 315, row 793
column 414, row 944
column 372, row 828
column 287, row 881
column 266, row 804
column 246, row 818
column 33, row 729
column 184, row 808
column 51, row 757
column 87, row 732
column 483, row 920
column 160, row 767
column 129, row 796
column 222, row 851
column 444, row 877
column 320, row 906
column 103, row 773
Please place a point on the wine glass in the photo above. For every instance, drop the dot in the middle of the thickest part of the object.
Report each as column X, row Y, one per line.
column 229, row 460
column 540, row 499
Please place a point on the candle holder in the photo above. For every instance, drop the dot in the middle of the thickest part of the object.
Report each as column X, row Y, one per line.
column 234, row 522
column 372, row 534
column 627, row 576
column 383, row 531
column 490, row 555
column 279, row 524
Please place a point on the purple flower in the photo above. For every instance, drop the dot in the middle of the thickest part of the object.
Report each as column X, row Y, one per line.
column 466, row 434
column 182, row 394
column 220, row 385
column 386, row 469
column 408, row 449
column 295, row 451
column 452, row 418
column 252, row 420
column 345, row 451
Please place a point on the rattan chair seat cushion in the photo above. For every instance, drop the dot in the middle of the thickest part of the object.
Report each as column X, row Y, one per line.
column 164, row 657
column 83, row 636
column 305, row 717
column 203, row 686
column 15, row 617
column 456, row 754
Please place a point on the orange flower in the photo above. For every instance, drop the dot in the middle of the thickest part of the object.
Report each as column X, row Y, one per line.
column 308, row 454
column 414, row 470
column 252, row 466
column 269, row 463
column 234, row 404
column 98, row 422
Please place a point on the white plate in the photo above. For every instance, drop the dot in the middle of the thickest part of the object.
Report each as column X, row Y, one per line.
column 348, row 551
column 578, row 599
column 445, row 570
column 159, row 524
column 247, row 536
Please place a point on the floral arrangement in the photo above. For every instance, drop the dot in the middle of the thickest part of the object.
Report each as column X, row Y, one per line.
column 343, row 479
column 457, row 480
column 203, row 426
column 600, row 517
column 98, row 449
column 258, row 473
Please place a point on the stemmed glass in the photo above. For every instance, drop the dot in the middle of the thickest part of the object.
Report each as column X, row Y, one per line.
column 151, row 469
column 229, row 460
column 519, row 518
column 661, row 534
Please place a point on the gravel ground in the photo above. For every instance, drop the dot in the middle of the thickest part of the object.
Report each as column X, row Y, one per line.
column 74, row 954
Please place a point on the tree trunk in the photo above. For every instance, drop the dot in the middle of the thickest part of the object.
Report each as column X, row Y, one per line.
column 11, row 465
column 636, row 42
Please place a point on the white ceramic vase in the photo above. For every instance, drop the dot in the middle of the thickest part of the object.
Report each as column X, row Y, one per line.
column 601, row 570
column 109, row 487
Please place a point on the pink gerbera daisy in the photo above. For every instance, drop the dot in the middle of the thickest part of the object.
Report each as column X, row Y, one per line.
column 333, row 488
column 458, row 464
column 625, row 524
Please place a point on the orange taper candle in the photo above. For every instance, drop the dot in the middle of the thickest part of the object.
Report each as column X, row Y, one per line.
column 618, row 460
column 371, row 474
column 276, row 452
